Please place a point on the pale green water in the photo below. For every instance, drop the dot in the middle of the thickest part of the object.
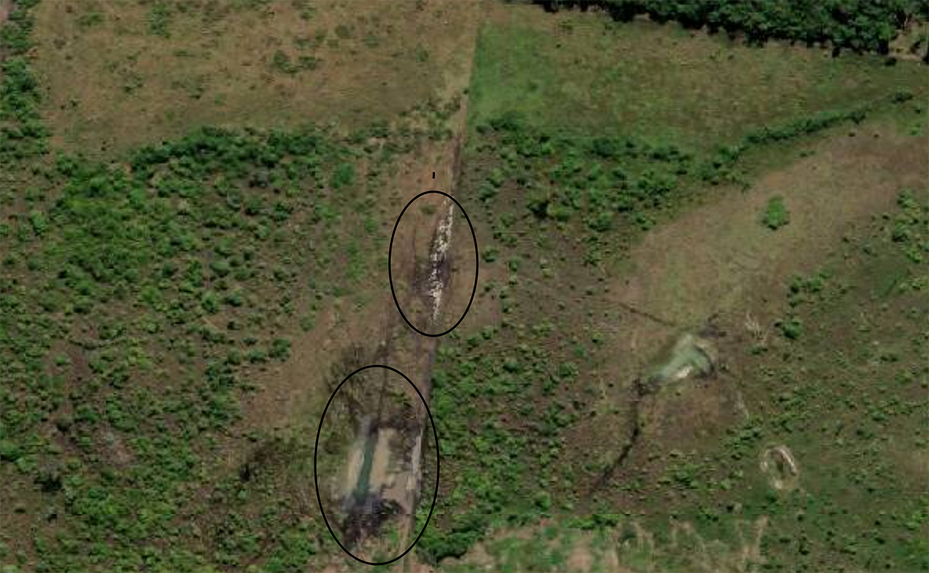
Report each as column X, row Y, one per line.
column 364, row 476
column 690, row 356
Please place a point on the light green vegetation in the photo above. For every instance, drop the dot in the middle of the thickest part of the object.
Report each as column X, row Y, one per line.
column 775, row 214
column 607, row 543
column 583, row 74
column 690, row 356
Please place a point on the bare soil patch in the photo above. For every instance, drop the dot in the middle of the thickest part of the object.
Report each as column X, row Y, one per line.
column 433, row 263
column 6, row 7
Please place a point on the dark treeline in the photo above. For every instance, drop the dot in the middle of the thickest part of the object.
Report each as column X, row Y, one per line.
column 858, row 25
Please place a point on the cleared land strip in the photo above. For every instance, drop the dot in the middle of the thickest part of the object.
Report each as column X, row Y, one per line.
column 422, row 251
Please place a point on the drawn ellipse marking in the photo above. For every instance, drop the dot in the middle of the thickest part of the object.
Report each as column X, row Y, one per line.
column 390, row 267
column 435, row 493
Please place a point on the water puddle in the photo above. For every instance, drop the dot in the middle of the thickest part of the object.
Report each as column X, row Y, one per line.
column 689, row 356
column 370, row 464
column 369, row 496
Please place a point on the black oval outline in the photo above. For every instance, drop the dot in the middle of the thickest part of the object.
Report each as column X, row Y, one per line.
column 438, row 458
column 476, row 263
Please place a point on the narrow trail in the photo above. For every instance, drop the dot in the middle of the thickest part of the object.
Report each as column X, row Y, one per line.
column 414, row 354
column 426, row 348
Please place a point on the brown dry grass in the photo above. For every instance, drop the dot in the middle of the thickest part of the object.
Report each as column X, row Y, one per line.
column 114, row 84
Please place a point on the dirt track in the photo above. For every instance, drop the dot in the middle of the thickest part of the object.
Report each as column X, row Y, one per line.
column 409, row 351
column 388, row 338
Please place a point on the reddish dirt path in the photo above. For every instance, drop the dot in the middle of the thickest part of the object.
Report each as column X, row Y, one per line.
column 5, row 10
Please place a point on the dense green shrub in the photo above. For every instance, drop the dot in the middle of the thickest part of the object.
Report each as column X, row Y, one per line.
column 775, row 214
column 137, row 298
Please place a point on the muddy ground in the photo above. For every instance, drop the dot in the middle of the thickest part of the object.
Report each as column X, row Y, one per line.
column 370, row 461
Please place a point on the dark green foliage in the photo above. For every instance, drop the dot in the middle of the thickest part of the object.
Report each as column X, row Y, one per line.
column 505, row 398
column 720, row 168
column 481, row 396
column 503, row 409
column 21, row 133
column 136, row 300
column 605, row 188
column 911, row 226
column 858, row 25
column 591, row 187
column 281, row 62
column 159, row 19
column 15, row 34
column 791, row 328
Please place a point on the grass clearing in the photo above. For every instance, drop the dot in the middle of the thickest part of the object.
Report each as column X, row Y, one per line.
column 138, row 72
column 705, row 260
column 581, row 73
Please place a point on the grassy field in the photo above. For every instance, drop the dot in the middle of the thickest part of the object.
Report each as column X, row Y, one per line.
column 582, row 74
column 566, row 330
column 604, row 240
column 841, row 391
column 197, row 203
column 145, row 302
column 120, row 75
